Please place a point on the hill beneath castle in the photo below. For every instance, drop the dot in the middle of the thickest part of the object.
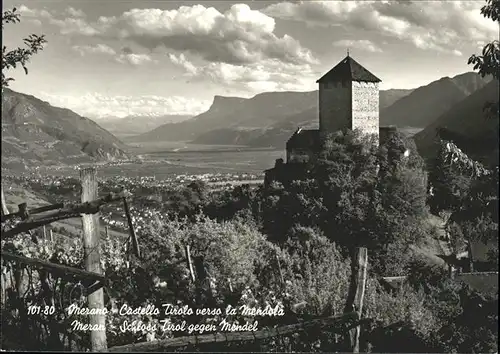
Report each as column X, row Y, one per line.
column 34, row 132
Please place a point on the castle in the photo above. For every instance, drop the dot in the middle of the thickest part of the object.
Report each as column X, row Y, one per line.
column 348, row 99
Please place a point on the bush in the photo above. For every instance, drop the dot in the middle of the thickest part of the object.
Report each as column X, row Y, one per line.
column 405, row 309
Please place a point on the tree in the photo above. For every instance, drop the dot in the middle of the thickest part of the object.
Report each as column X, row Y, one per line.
column 19, row 56
column 489, row 62
column 448, row 184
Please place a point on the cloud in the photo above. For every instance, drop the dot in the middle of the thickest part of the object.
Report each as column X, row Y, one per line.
column 238, row 36
column 268, row 75
column 126, row 57
column 127, row 50
column 94, row 49
column 444, row 26
column 34, row 21
column 135, row 59
column 25, row 11
column 74, row 26
column 362, row 44
column 71, row 11
column 95, row 105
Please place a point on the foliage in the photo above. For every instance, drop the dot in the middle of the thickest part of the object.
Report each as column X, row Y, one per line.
column 476, row 218
column 489, row 62
column 240, row 200
column 449, row 183
column 18, row 56
column 467, row 321
column 467, row 191
column 315, row 272
column 431, row 313
column 356, row 194
column 400, row 317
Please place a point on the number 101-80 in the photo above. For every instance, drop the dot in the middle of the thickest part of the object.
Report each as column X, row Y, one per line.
column 37, row 310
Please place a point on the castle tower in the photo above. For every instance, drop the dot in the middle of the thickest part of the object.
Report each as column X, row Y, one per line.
column 349, row 98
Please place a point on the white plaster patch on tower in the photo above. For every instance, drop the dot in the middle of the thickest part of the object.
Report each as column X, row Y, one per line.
column 365, row 107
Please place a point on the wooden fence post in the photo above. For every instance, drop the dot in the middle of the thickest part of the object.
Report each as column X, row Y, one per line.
column 357, row 292
column 189, row 263
column 279, row 267
column 91, row 247
column 3, row 290
column 133, row 236
column 5, row 210
column 471, row 258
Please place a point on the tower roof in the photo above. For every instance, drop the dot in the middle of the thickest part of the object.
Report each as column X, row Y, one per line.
column 348, row 70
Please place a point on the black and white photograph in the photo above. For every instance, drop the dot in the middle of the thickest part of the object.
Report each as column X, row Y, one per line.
column 250, row 176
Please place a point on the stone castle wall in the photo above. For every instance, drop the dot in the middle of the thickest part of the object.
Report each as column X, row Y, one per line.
column 365, row 107
column 334, row 106
column 299, row 155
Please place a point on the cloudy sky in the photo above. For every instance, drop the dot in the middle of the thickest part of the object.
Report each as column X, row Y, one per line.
column 139, row 57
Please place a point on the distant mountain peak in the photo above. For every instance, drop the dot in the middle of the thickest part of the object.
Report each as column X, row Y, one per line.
column 437, row 97
column 465, row 124
column 36, row 132
column 220, row 100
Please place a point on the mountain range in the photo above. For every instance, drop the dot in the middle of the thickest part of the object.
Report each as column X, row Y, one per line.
column 452, row 108
column 269, row 119
column 34, row 131
column 133, row 125
column 426, row 103
column 467, row 125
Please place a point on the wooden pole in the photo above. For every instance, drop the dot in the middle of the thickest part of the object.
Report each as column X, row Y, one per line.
column 5, row 210
column 23, row 211
column 3, row 290
column 471, row 258
column 357, row 292
column 135, row 244
column 19, row 276
column 44, row 231
column 91, row 248
column 65, row 272
column 189, row 262
column 19, row 269
column 279, row 267
column 51, row 235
